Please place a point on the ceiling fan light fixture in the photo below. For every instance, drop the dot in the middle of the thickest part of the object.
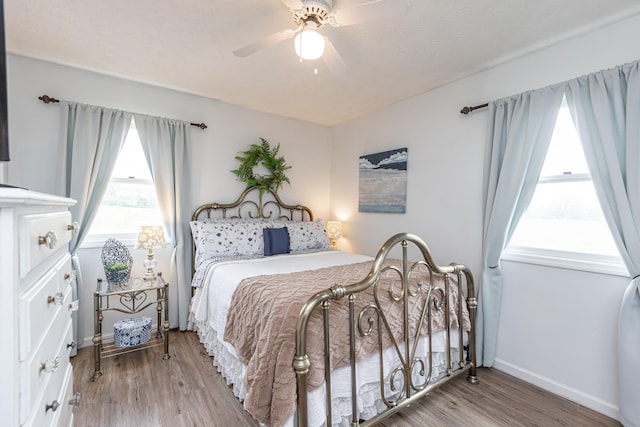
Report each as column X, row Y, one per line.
column 309, row 44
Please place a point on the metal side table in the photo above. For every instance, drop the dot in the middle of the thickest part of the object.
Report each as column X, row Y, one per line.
column 131, row 298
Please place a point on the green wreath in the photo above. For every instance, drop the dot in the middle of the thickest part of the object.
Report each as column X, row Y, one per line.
column 268, row 157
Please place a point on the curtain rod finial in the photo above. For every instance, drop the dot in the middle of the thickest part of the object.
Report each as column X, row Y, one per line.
column 199, row 125
column 48, row 99
column 467, row 110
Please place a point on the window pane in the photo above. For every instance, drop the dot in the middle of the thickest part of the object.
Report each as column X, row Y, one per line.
column 131, row 161
column 125, row 207
column 565, row 151
column 565, row 216
column 130, row 200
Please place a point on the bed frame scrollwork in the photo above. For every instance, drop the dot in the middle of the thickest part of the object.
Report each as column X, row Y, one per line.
column 252, row 203
column 268, row 206
column 371, row 320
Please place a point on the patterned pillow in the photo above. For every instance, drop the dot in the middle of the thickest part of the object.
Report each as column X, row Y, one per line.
column 196, row 225
column 229, row 239
column 306, row 235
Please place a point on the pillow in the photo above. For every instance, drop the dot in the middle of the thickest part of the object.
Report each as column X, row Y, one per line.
column 228, row 239
column 306, row 235
column 196, row 225
column 195, row 231
column 276, row 241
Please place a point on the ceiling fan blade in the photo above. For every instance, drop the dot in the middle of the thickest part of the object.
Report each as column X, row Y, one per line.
column 265, row 42
column 333, row 60
column 370, row 11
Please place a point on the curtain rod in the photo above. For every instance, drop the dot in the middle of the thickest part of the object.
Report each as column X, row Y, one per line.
column 50, row 100
column 467, row 110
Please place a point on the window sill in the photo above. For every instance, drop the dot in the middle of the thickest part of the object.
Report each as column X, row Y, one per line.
column 601, row 264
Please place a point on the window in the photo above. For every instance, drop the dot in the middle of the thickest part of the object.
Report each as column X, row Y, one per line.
column 130, row 200
column 564, row 224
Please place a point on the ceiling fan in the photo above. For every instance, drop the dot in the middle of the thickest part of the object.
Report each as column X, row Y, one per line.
column 311, row 15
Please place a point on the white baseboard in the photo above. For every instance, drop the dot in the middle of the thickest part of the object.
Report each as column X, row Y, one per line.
column 591, row 402
column 88, row 341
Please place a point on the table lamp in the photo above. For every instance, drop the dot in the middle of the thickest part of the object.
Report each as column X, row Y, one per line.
column 334, row 231
column 150, row 237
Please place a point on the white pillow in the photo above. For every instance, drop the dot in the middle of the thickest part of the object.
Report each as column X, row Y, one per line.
column 195, row 225
column 305, row 235
column 237, row 238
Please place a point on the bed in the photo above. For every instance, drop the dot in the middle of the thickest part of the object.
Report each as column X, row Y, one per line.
column 308, row 335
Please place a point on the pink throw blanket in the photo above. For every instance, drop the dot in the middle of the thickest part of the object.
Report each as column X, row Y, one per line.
column 262, row 320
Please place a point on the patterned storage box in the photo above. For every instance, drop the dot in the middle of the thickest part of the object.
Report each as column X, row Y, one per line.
column 132, row 332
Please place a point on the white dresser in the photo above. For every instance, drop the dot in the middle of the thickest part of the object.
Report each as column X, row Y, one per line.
column 35, row 309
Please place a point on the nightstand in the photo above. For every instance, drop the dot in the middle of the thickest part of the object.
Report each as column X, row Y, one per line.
column 132, row 298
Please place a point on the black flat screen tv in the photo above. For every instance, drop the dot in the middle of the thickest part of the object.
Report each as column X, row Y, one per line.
column 4, row 133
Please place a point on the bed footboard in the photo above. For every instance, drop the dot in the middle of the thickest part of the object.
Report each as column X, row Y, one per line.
column 420, row 293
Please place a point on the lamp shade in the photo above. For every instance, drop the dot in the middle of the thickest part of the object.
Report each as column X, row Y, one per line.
column 309, row 44
column 151, row 237
column 334, row 229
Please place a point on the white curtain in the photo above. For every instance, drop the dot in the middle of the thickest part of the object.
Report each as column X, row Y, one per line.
column 606, row 111
column 165, row 143
column 520, row 130
column 92, row 137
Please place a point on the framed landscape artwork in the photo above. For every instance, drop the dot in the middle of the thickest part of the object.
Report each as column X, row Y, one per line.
column 383, row 182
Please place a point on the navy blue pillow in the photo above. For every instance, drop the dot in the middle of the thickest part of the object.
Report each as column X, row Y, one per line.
column 276, row 241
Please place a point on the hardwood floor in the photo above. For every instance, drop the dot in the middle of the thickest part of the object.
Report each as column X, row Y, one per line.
column 140, row 389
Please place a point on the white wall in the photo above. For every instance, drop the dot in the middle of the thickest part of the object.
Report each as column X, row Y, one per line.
column 34, row 136
column 558, row 331
column 558, row 327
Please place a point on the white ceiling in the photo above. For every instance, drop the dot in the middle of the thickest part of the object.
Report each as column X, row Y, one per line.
column 187, row 45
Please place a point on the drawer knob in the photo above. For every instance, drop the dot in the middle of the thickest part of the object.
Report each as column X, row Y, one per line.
column 53, row 406
column 49, row 240
column 72, row 344
column 74, row 226
column 50, row 366
column 75, row 401
column 70, row 277
column 57, row 299
column 73, row 306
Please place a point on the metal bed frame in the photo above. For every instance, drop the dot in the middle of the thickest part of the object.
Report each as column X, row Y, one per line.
column 371, row 321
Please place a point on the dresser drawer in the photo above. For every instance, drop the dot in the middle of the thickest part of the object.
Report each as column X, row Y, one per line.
column 49, row 361
column 37, row 309
column 66, row 273
column 56, row 395
column 65, row 413
column 41, row 236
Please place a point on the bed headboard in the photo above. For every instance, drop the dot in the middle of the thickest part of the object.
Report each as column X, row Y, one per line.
column 252, row 203
column 268, row 205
